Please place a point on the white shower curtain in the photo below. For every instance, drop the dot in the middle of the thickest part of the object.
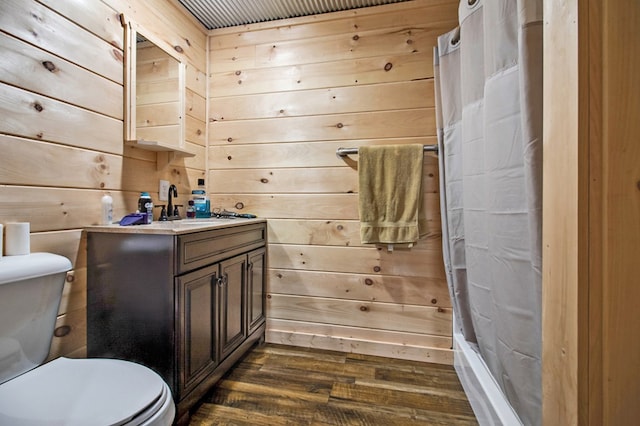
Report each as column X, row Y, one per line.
column 489, row 93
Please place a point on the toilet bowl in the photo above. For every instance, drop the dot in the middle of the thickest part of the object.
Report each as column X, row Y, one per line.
column 64, row 391
column 86, row 392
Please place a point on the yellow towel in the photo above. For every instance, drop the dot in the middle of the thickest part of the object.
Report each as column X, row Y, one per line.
column 390, row 193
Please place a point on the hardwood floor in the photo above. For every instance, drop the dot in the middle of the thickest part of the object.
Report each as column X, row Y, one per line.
column 283, row 385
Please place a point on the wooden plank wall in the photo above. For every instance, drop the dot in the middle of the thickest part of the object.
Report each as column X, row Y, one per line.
column 565, row 231
column 591, row 231
column 61, row 133
column 282, row 97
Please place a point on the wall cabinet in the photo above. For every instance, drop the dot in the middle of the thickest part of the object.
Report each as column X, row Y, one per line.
column 188, row 306
column 155, row 89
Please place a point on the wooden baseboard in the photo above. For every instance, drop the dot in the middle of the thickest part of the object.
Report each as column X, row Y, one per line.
column 350, row 345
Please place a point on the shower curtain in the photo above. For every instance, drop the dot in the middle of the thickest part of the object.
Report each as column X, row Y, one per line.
column 489, row 109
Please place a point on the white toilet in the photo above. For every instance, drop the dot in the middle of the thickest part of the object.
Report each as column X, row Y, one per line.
column 64, row 391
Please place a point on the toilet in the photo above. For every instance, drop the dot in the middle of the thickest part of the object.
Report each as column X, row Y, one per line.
column 63, row 391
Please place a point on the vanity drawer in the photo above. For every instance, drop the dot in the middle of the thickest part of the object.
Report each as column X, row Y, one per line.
column 199, row 249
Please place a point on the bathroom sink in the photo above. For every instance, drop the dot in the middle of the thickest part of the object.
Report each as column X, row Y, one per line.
column 194, row 223
column 187, row 222
column 176, row 227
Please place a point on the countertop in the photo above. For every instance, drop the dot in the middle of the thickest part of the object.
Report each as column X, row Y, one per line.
column 175, row 227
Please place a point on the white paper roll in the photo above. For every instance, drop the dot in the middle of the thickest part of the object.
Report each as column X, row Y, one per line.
column 17, row 239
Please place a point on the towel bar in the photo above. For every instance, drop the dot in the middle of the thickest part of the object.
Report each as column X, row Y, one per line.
column 341, row 152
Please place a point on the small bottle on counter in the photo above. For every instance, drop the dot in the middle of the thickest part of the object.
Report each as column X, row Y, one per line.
column 145, row 206
column 107, row 210
column 191, row 211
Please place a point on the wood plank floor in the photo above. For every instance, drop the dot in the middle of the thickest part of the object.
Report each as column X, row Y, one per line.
column 283, row 385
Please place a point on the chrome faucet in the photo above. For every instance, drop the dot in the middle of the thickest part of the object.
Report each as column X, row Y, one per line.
column 172, row 191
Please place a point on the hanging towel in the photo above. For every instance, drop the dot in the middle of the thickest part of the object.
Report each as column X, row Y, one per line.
column 390, row 193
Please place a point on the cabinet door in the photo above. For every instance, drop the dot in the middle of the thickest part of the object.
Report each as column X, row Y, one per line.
column 197, row 320
column 232, row 304
column 256, row 288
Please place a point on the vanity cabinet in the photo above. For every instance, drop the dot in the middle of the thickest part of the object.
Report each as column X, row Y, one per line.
column 187, row 305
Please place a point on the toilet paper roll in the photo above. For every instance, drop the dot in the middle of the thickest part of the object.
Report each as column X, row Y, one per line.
column 17, row 241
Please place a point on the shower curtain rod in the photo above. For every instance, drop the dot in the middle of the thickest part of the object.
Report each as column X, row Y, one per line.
column 341, row 152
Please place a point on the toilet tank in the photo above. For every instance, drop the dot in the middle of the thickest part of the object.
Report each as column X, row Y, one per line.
column 30, row 293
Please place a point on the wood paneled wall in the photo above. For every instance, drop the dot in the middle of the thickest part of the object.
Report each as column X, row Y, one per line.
column 61, row 133
column 591, row 226
column 283, row 96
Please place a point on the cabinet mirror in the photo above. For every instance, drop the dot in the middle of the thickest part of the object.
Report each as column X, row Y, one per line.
column 154, row 91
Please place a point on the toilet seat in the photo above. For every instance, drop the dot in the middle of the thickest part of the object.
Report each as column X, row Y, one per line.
column 86, row 392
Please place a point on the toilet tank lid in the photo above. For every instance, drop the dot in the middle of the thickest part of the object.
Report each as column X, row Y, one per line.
column 34, row 265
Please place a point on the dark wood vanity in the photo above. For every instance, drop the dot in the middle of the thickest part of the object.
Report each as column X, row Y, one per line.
column 185, row 300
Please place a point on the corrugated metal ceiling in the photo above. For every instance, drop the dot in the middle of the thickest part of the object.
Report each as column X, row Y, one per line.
column 229, row 13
